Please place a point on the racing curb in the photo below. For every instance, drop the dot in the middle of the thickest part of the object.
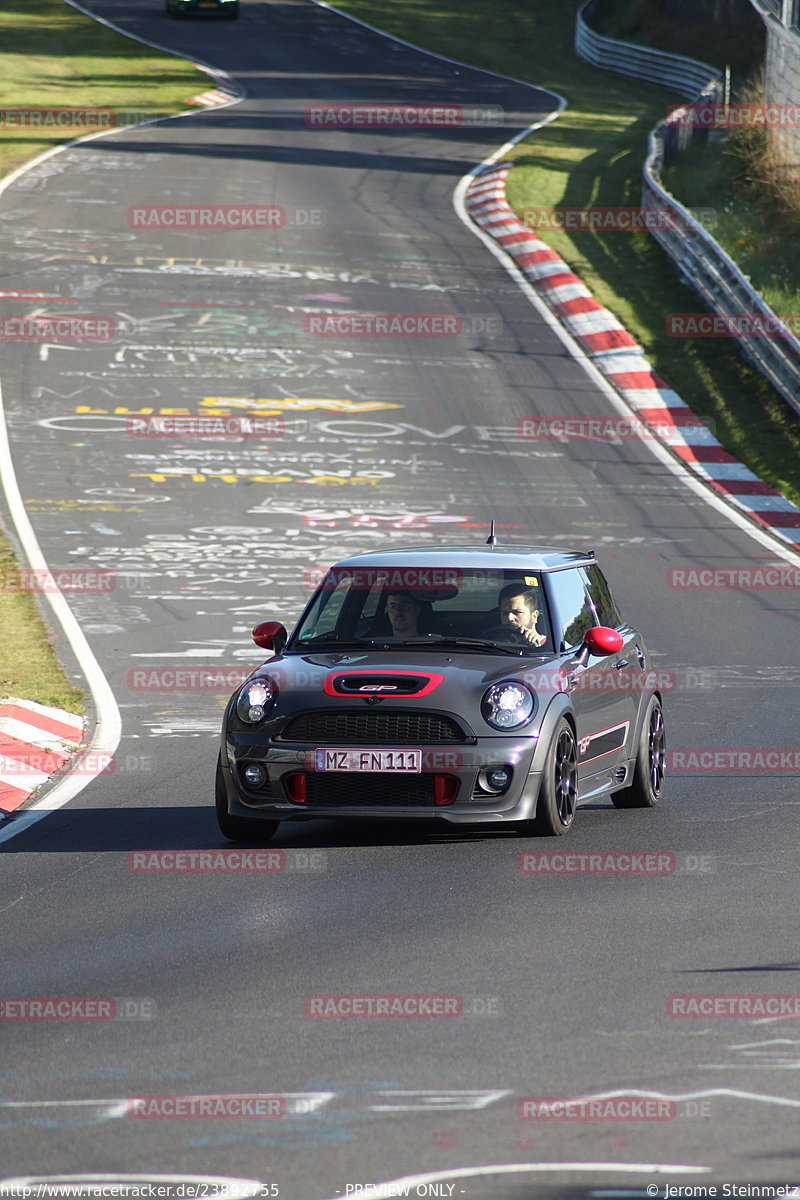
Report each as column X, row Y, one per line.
column 622, row 361
column 35, row 742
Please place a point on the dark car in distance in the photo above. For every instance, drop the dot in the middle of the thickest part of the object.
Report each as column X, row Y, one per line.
column 464, row 684
column 220, row 8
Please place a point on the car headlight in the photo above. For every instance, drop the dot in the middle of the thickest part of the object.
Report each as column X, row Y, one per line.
column 507, row 705
column 253, row 701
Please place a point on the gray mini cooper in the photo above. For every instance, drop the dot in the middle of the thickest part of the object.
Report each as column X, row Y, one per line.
column 464, row 684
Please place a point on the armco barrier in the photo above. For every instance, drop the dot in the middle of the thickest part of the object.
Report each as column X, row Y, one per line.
column 702, row 263
column 686, row 76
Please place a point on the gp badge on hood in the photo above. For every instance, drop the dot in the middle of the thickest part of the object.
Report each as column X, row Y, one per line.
column 382, row 683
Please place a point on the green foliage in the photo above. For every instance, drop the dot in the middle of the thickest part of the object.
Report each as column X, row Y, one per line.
column 593, row 155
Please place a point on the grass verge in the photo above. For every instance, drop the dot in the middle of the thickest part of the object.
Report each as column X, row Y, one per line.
column 52, row 58
column 29, row 668
column 759, row 222
column 592, row 156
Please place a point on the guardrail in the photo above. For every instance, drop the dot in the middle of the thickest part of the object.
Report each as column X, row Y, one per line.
column 687, row 76
column 701, row 261
column 782, row 9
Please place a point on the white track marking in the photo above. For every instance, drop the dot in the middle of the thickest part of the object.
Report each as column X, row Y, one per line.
column 108, row 729
column 299, row 1104
column 391, row 37
column 634, row 1168
column 702, row 1094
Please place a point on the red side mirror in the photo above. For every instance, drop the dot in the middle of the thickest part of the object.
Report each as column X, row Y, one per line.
column 270, row 635
column 603, row 640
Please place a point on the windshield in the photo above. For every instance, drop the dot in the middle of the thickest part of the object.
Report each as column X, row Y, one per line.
column 397, row 606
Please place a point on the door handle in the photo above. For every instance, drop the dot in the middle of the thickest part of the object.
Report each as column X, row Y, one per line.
column 620, row 663
column 571, row 682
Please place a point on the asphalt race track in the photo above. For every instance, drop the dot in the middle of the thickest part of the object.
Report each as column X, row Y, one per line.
column 412, row 440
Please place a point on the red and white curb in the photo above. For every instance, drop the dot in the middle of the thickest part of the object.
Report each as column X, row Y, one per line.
column 621, row 359
column 35, row 742
column 211, row 99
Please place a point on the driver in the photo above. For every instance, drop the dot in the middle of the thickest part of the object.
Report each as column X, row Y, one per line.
column 519, row 612
column 403, row 612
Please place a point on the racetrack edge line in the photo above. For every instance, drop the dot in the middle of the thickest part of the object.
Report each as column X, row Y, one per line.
column 108, row 722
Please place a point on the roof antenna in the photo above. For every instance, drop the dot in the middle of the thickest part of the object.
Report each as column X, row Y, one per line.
column 491, row 540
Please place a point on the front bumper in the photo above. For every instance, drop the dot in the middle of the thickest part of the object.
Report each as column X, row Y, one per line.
column 465, row 765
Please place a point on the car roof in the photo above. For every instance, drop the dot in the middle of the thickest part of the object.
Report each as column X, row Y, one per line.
column 536, row 558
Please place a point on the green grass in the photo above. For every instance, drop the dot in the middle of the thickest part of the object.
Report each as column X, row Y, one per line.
column 29, row 668
column 593, row 155
column 52, row 57
column 759, row 235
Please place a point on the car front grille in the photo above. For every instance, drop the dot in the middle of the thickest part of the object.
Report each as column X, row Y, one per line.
column 354, row 727
column 354, row 791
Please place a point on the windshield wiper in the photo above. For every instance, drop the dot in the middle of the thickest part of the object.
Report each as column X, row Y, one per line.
column 332, row 636
column 442, row 639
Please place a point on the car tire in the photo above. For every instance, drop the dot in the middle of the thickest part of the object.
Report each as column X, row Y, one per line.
column 238, row 829
column 647, row 785
column 558, row 793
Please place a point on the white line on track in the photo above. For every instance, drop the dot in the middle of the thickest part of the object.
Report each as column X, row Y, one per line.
column 391, row 1187
column 703, row 1094
column 108, row 729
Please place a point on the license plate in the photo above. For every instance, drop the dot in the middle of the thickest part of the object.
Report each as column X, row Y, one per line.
column 408, row 761
column 208, row 4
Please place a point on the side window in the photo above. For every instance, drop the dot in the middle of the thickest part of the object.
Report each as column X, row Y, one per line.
column 572, row 603
column 603, row 603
